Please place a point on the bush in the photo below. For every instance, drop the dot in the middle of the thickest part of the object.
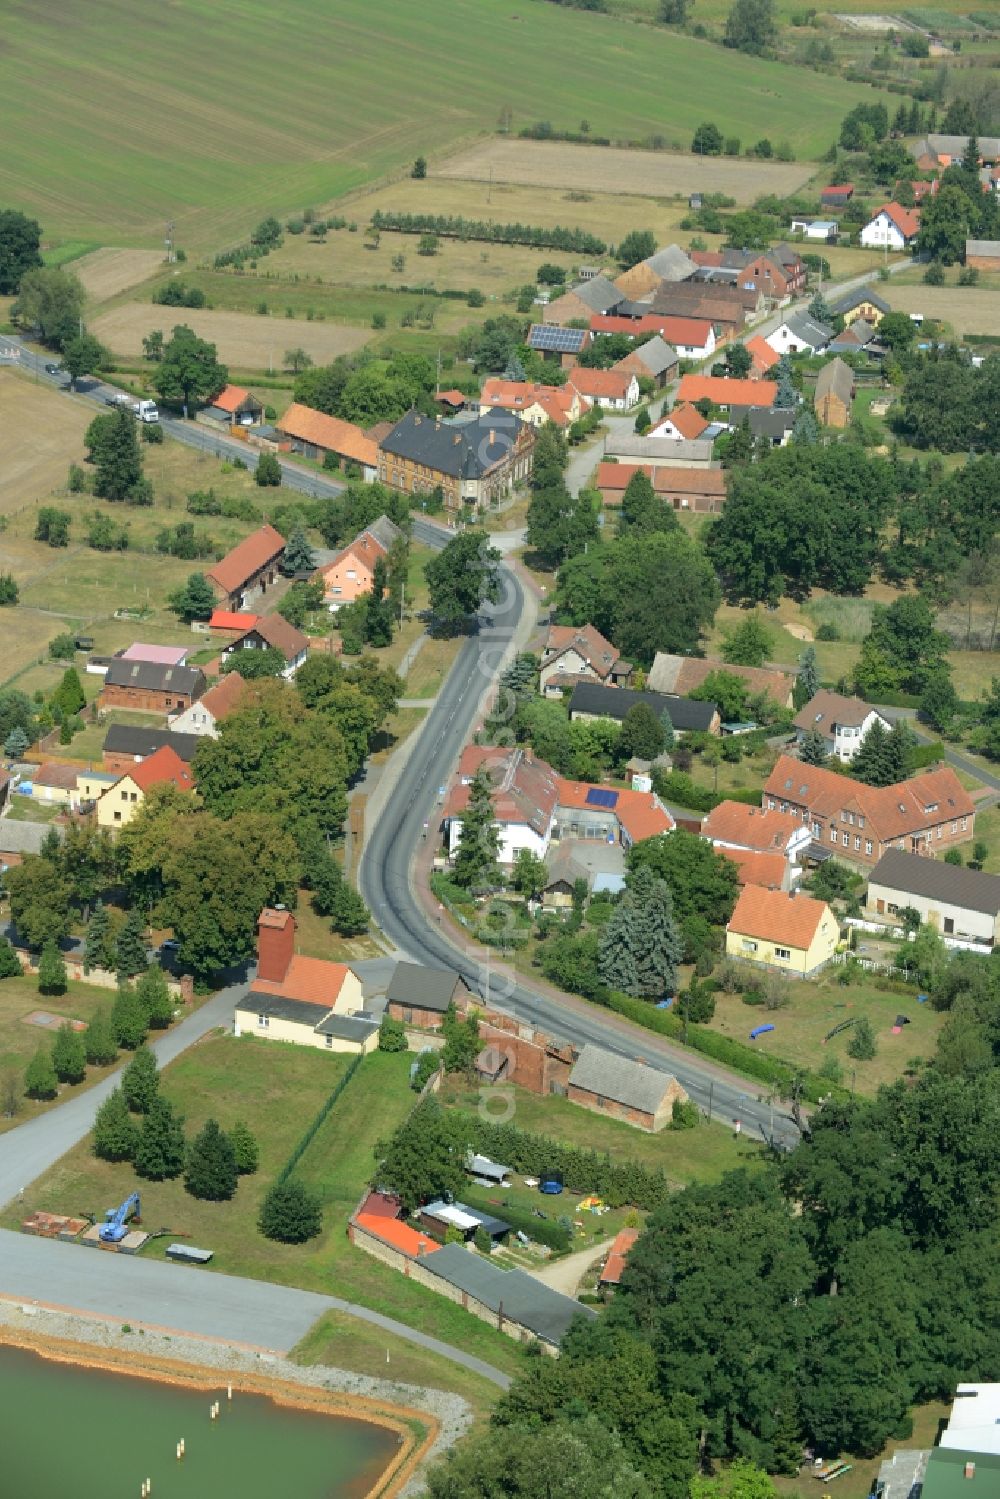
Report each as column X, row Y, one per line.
column 290, row 1214
column 934, row 274
column 152, row 432
column 245, row 1149
column 391, row 1034
column 684, row 1114
column 426, row 1065
column 828, row 632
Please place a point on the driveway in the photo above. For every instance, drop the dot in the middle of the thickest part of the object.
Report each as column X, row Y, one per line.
column 566, row 1274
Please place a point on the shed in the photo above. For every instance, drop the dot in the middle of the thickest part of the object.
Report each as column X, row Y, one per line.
column 512, row 1300
column 834, row 393
column 420, row 996
column 611, row 1084
column 481, row 1165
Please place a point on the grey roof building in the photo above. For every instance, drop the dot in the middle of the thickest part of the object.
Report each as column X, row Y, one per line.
column 658, row 357
column 460, row 449
column 524, row 1301
column 671, row 263
column 353, row 1028
column 18, row 837
column 420, row 988
column 152, row 676
column 127, row 739
column 835, row 379
column 775, row 422
column 593, row 700
column 857, row 298
column 666, row 450
column 934, row 880
column 808, row 331
column 599, row 294
column 631, row 1084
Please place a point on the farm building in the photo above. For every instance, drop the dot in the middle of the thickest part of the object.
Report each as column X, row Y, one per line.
column 249, row 570
column 597, row 294
column 420, row 996
column 682, row 674
column 315, row 435
column 610, row 1084
column 233, row 407
column 983, row 254
column 654, row 360
column 834, row 393
column 697, row 489
column 591, row 700
column 150, row 687
column 613, row 1267
column 126, row 745
column 725, row 393
column 517, row 1303
column 959, row 903
column 562, row 346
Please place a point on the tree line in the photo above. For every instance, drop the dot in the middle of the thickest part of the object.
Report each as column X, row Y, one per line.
column 455, row 226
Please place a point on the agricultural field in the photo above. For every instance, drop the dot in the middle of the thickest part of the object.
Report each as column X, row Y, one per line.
column 241, row 338
column 968, row 309
column 43, row 434
column 154, row 129
column 107, row 272
column 654, row 174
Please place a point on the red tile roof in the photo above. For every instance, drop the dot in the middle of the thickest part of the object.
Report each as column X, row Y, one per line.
column 776, row 916
column 841, row 190
column 230, row 399
column 449, row 398
column 693, row 333
column 246, row 559
column 906, row 220
column 612, row 479
column 276, row 631
column 557, row 401
column 608, row 385
column 766, row 870
column 381, row 1205
column 640, row 813
column 750, row 827
column 329, row 433
column 764, row 357
column 398, row 1235
column 222, row 698
column 314, row 981
column 232, row 619
column 163, row 765
column 618, row 1256
column 687, row 421
column 587, row 641
column 724, row 392
column 935, row 796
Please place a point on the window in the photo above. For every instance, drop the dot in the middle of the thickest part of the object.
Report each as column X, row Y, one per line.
column 965, row 823
column 949, row 925
column 861, row 821
column 118, row 817
column 408, row 1016
column 843, row 815
column 857, row 843
column 749, row 946
column 263, row 1021
column 940, row 833
column 329, row 1043
column 782, row 952
column 868, row 845
column 845, row 839
column 124, row 796
column 816, row 829
column 954, row 827
column 833, row 835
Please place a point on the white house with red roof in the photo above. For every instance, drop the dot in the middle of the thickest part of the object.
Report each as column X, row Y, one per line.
column 575, row 653
column 891, row 226
column 534, row 403
column 684, row 424
column 614, row 390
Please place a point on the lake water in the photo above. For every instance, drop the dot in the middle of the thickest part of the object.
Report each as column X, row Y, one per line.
column 68, row 1432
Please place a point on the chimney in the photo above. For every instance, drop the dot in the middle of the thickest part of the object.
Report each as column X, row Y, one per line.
column 275, row 944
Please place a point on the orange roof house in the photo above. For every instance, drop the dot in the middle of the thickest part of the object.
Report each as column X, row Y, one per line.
column 684, row 422
column 351, row 572
column 613, row 388
column 698, row 488
column 770, row 871
column 234, row 406
column 308, row 1001
column 736, row 825
column 231, row 621
column 763, row 356
column 249, row 570
column 537, row 404
column 782, row 929
column 314, row 434
column 727, row 393
column 122, row 800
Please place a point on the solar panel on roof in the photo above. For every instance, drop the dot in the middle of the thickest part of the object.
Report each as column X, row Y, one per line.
column 598, row 797
column 553, row 339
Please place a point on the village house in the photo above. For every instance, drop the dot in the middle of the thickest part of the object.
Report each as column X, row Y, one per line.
column 982, row 254
column 597, row 294
column 308, row 1001
column 773, row 425
column 421, row 996
column 153, row 689
column 865, row 302
column 842, row 721
column 536, row 404
column 834, row 393
column 702, row 490
column 352, row 571
column 891, row 226
column 689, row 337
column 762, row 274
column 54, row 784
column 684, row 424
column 562, row 346
column 654, row 360
column 122, row 800
column 252, row 567
column 736, row 827
column 565, row 870
column 592, row 700
column 763, row 356
column 204, row 716
column 767, row 871
column 799, row 334
column 782, row 929
column 619, row 1088
column 724, row 393
column 925, row 815
column 476, row 463
column 860, row 337
column 315, row 435
column 962, row 904
column 579, row 653
column 613, row 390
column 683, row 674
column 938, row 149
column 667, row 265
column 793, row 267
column 273, row 632
column 126, row 745
column 234, row 406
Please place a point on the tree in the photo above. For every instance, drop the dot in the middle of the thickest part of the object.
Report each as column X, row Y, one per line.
column 9, row 591
column 805, row 428
column 82, row 356
column 641, row 734
column 51, row 970
column 154, row 996
column 669, row 736
column 904, row 638
column 99, row 1042
column 10, row 966
column 939, row 701
column 461, row 1044
column 529, row 875
column 69, row 1058
column 189, row 372
column 16, row 743
column 739, row 361
column 152, row 346
column 862, row 1046
column 159, row 1152
column 51, row 301
column 20, row 249
column 820, row 310
column 479, row 841
column 560, row 525
column 751, row 27
column 290, row 1213
column 115, row 1135
column 195, row 600
column 807, row 679
column 642, row 511
column 419, row 169
column 68, row 696
column 52, row 526
column 298, row 556
column 750, row 644
column 944, row 225
column 900, row 750
column 707, row 140
column 812, row 747
column 462, row 577
column 873, row 762
column 424, row 1158
column 391, row 1034
column 130, row 948
column 675, row 12
column 297, row 359
column 141, row 1081
column 39, row 901
column 245, row 1149
column 638, row 244
column 741, row 1480
column 268, row 471
column 97, row 950
column 113, row 445
column 727, row 691
column 128, row 1019
column 40, row 1076
column 702, row 881
column 578, row 1458
column 379, row 609
column 211, row 1172
column 640, row 948
column 787, row 397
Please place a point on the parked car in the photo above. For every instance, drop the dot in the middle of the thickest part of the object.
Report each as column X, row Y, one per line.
column 53, row 369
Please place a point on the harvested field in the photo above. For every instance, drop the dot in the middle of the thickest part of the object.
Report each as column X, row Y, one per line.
column 241, row 338
column 967, row 309
column 655, row 174
column 43, row 433
column 107, row 272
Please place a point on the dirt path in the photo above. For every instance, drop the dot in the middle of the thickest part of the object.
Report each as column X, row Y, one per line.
column 566, row 1274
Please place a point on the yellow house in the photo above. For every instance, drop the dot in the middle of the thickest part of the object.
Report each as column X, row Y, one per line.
column 782, row 929
column 121, row 801
column 92, row 784
column 307, row 1001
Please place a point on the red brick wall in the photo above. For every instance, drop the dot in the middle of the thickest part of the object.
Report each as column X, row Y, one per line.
column 144, row 699
column 535, row 1061
column 425, row 1020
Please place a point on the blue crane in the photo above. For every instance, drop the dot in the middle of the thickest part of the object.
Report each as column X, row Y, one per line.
column 113, row 1229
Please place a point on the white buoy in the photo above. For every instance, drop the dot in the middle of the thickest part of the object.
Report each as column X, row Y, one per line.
column 179, row 1451
column 229, row 1392
column 149, row 1486
column 182, row 1447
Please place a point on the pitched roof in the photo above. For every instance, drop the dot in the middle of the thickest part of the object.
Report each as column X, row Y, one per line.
column 867, row 293
column 685, row 420
column 906, row 220
column 399, row 1235
column 840, row 190
column 892, row 811
column 547, row 338
column 275, row 631
column 328, row 432
column 246, row 559
column 312, row 981
column 609, row 385
column 826, row 709
column 525, row 790
column 666, row 479
column 807, row 330
column 857, row 336
column 231, row 398
column 724, row 392
column 777, row 916
column 150, row 676
column 125, row 739
column 766, row 870
column 763, row 356
column 56, row 775
column 640, row 814
column 682, row 674
column 598, row 293
column 618, row 1256
column 656, row 355
column 521, row 395
column 524, row 1299
column 455, row 398
column 649, row 448
column 423, row 988
column 615, row 702
column 633, row 1084
column 160, row 655
column 460, row 449
column 163, row 765
column 223, row 696
column 751, row 827
column 232, row 619
column 913, row 874
column 18, row 837
column 691, row 332
column 587, row 641
column 671, row 262
column 982, row 247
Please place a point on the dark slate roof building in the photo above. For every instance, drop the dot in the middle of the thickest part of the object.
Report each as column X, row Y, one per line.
column 153, row 676
column 461, row 449
column 126, row 739
column 951, row 884
column 421, row 988
column 527, row 1302
column 593, row 700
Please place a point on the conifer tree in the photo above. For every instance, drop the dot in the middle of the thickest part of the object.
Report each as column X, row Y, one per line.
column 211, row 1172
column 812, row 748
column 99, row 1042
column 130, row 949
column 873, row 763
column 115, row 1134
column 10, row 966
column 616, row 952
column 16, row 743
column 900, row 746
column 660, row 947
column 787, row 397
column 69, row 1058
column 128, row 1019
column 862, row 1046
column 51, row 970
column 40, row 1076
column 669, row 733
column 160, row 1151
column 154, row 997
column 807, row 681
column 141, row 1081
column 298, row 556
column 479, row 841
column 290, row 1213
column 245, row 1149
column 98, row 950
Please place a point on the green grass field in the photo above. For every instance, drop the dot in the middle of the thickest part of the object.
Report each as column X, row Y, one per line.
column 19, row 1040
column 210, row 116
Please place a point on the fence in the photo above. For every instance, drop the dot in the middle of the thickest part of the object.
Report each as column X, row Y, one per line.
column 307, row 1139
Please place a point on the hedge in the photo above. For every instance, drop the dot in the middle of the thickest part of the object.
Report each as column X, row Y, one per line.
column 677, row 786
column 546, row 1230
column 307, row 1139
column 928, row 754
column 455, row 226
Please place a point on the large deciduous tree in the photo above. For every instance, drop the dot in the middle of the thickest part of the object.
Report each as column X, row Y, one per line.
column 20, row 249
column 189, row 373
column 462, row 578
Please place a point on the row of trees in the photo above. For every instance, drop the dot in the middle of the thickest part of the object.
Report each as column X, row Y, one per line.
column 575, row 241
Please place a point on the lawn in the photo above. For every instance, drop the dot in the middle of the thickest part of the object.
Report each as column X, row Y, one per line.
column 988, row 830
column 19, row 1040
column 304, row 103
